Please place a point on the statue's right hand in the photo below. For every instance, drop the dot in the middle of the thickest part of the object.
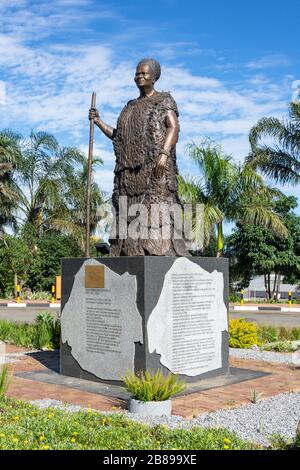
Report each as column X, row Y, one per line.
column 93, row 114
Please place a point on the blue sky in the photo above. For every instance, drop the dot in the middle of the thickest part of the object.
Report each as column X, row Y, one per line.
column 226, row 63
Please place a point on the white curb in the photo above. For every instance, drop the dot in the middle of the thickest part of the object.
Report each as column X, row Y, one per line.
column 17, row 305
column 244, row 308
column 290, row 309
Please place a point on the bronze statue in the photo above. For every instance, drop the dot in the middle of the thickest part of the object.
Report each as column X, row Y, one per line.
column 146, row 170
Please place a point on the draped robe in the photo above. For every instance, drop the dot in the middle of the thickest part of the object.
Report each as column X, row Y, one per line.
column 138, row 140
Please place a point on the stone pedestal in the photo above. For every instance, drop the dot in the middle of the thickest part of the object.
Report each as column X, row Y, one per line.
column 138, row 313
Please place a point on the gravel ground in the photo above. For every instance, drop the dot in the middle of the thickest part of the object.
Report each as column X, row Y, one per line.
column 254, row 422
column 268, row 356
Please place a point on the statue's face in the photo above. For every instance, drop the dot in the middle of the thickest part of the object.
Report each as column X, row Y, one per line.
column 144, row 76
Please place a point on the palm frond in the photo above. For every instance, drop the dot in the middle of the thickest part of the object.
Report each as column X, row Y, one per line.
column 264, row 216
column 279, row 159
column 190, row 189
column 283, row 133
column 275, row 163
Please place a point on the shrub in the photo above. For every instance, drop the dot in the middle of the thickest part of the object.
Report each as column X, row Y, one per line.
column 17, row 333
column 44, row 327
column 157, row 387
column 47, row 331
column 242, row 334
column 38, row 295
column 272, row 334
column 234, row 297
column 280, row 346
column 5, row 379
column 255, row 396
column 297, row 439
column 267, row 333
column 295, row 334
column 44, row 332
column 285, row 333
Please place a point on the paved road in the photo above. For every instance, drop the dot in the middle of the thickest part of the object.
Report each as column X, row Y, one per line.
column 26, row 314
column 269, row 318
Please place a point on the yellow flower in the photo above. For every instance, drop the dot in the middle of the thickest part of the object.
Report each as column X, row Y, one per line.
column 73, row 439
column 16, row 418
column 45, row 448
column 226, row 447
column 2, row 435
column 75, row 433
column 50, row 415
column 227, row 441
column 15, row 439
column 42, row 437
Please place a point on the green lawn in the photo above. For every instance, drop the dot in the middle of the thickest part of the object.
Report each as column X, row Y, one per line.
column 24, row 426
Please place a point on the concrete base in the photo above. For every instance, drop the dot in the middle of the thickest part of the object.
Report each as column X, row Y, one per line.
column 150, row 274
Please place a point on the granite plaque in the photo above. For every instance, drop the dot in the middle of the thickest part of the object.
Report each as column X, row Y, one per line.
column 101, row 322
column 186, row 325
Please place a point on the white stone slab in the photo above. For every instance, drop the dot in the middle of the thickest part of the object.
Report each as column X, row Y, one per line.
column 101, row 325
column 186, row 325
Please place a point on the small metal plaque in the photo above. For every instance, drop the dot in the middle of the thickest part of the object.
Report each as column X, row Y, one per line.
column 94, row 277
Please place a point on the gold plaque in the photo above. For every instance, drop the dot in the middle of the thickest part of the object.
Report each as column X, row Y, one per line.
column 94, row 277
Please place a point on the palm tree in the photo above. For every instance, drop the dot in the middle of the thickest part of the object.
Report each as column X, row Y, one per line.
column 280, row 159
column 228, row 192
column 40, row 171
column 9, row 152
column 72, row 219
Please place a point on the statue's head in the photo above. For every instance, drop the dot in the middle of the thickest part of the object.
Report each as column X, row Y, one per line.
column 147, row 70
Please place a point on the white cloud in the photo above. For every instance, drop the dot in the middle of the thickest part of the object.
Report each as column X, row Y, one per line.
column 171, row 50
column 35, row 20
column 181, row 78
column 52, row 90
column 2, row 92
column 49, row 85
column 100, row 150
column 105, row 179
column 271, row 60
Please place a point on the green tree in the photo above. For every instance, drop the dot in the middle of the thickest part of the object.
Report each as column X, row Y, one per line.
column 229, row 192
column 280, row 158
column 39, row 179
column 46, row 264
column 256, row 250
column 9, row 152
column 72, row 217
column 15, row 260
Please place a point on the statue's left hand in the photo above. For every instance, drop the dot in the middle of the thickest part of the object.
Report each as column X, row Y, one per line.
column 161, row 165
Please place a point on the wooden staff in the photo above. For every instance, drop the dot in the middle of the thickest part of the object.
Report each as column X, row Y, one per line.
column 89, row 181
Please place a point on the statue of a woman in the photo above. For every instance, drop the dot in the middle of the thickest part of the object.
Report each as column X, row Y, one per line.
column 146, row 170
